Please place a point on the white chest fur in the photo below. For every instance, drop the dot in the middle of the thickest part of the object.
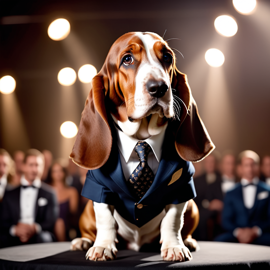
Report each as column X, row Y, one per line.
column 136, row 237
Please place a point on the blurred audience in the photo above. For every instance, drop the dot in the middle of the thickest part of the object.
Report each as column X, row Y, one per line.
column 227, row 169
column 209, row 199
column 67, row 198
column 245, row 211
column 198, row 169
column 246, row 214
column 29, row 212
column 265, row 169
column 83, row 200
column 48, row 158
column 6, row 171
column 18, row 160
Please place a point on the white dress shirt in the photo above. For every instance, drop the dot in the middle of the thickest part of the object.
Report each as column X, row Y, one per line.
column 267, row 181
column 249, row 192
column 28, row 199
column 3, row 184
column 227, row 183
column 249, row 195
column 128, row 156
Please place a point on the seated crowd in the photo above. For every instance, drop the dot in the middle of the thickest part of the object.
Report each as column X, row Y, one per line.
column 40, row 198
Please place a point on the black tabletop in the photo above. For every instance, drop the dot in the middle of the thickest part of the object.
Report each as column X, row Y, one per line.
column 212, row 255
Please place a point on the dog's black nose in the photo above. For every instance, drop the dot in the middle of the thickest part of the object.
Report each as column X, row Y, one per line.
column 157, row 88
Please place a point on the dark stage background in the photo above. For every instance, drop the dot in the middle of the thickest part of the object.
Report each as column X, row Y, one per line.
column 233, row 99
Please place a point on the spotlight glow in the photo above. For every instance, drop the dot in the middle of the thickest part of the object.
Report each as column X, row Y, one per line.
column 59, row 29
column 67, row 76
column 86, row 73
column 214, row 58
column 7, row 84
column 68, row 129
column 226, row 25
column 245, row 7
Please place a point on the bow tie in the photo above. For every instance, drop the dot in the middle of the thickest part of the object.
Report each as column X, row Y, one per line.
column 250, row 184
column 28, row 186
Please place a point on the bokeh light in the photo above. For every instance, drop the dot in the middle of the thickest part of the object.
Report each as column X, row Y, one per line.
column 245, row 7
column 214, row 57
column 68, row 129
column 86, row 73
column 67, row 76
column 226, row 25
column 7, row 84
column 59, row 29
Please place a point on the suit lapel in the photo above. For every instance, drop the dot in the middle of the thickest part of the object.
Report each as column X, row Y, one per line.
column 240, row 202
column 16, row 202
column 165, row 169
column 256, row 201
column 36, row 206
column 118, row 177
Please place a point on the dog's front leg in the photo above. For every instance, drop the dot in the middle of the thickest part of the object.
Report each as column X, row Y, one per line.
column 173, row 248
column 104, row 247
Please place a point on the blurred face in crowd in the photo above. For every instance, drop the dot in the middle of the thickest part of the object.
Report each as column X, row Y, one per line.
column 57, row 173
column 248, row 168
column 4, row 165
column 228, row 165
column 47, row 158
column 210, row 164
column 18, row 159
column 33, row 168
column 265, row 168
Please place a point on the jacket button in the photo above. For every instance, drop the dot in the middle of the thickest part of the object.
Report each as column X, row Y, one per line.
column 140, row 206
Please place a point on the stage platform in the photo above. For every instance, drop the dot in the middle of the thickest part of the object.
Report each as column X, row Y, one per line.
column 212, row 255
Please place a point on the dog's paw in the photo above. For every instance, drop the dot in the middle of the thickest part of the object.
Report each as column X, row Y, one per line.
column 176, row 253
column 191, row 244
column 81, row 244
column 101, row 254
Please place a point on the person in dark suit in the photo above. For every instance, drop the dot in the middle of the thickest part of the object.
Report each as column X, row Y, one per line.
column 6, row 172
column 265, row 169
column 246, row 213
column 29, row 211
column 209, row 199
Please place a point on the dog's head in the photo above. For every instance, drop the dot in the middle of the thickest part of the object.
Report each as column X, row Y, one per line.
column 141, row 88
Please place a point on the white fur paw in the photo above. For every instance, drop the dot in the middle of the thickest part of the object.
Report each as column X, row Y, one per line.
column 176, row 253
column 81, row 244
column 101, row 254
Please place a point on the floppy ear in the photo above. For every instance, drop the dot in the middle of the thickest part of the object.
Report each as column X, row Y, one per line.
column 94, row 140
column 192, row 140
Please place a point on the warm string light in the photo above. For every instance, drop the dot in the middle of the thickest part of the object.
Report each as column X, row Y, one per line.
column 226, row 25
column 7, row 84
column 59, row 29
column 245, row 7
column 214, row 58
column 86, row 73
column 68, row 129
column 67, row 76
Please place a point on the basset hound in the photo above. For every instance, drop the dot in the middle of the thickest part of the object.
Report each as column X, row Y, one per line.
column 139, row 95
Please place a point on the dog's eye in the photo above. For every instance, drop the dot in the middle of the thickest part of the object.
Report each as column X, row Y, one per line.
column 167, row 57
column 127, row 60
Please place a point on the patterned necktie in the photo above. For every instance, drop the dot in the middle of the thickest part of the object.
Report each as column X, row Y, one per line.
column 142, row 177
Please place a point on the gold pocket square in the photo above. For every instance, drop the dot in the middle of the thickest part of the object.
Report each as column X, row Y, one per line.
column 176, row 176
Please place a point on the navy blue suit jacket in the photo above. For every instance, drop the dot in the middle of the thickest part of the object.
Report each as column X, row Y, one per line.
column 108, row 185
column 236, row 215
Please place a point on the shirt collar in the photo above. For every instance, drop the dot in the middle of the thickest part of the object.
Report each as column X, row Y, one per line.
column 245, row 181
column 3, row 180
column 36, row 182
column 225, row 178
column 126, row 144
